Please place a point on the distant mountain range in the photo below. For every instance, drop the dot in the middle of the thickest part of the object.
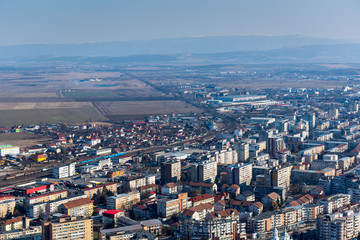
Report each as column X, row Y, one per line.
column 201, row 50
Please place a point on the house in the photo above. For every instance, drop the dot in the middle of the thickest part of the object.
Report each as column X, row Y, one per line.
column 202, row 187
column 317, row 191
column 220, row 205
column 256, row 208
column 147, row 189
column 110, row 217
column 205, row 198
column 306, row 199
column 169, row 188
column 13, row 224
column 241, row 206
column 246, row 196
column 145, row 211
column 38, row 157
column 271, row 199
column 233, row 190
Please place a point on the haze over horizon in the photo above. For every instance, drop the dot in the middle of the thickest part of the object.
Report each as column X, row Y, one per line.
column 74, row 22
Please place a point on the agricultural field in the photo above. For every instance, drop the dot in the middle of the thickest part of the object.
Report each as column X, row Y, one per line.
column 21, row 139
column 145, row 107
column 43, row 105
column 37, row 116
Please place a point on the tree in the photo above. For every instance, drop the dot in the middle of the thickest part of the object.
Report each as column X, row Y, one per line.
column 103, row 199
column 95, row 198
column 275, row 205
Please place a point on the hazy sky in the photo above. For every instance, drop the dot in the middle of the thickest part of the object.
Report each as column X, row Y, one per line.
column 78, row 21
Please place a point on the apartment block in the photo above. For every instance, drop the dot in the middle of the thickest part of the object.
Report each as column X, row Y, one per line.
column 68, row 228
column 7, row 206
column 170, row 171
column 340, row 226
column 35, row 210
column 64, row 171
column 204, row 171
column 240, row 174
column 76, row 208
column 89, row 192
column 169, row 207
column 123, row 201
column 46, row 197
column 140, row 182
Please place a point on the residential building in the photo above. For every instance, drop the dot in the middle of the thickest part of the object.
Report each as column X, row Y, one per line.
column 13, row 224
column 123, row 201
column 7, row 206
column 169, row 207
column 170, row 171
column 89, row 192
column 48, row 197
column 80, row 207
column 202, row 222
column 68, row 228
column 9, row 150
column 243, row 152
column 64, row 171
column 204, row 171
column 35, row 210
column 240, row 174
column 339, row 226
column 274, row 145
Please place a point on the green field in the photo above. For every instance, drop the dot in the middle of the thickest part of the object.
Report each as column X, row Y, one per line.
column 37, row 116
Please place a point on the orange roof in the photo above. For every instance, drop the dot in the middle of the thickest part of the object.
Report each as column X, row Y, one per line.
column 201, row 207
column 11, row 221
column 170, row 185
column 201, row 197
column 77, row 203
column 273, row 196
column 222, row 202
column 147, row 186
column 258, row 204
column 294, row 203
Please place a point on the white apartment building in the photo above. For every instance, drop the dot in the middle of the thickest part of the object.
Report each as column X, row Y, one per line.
column 204, row 171
column 64, row 171
column 8, row 150
column 240, row 174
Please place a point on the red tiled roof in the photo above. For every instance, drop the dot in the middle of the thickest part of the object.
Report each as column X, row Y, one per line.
column 258, row 204
column 201, row 184
column 273, row 195
column 11, row 221
column 170, row 185
column 148, row 186
column 201, row 207
column 294, row 203
column 201, row 197
column 77, row 203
